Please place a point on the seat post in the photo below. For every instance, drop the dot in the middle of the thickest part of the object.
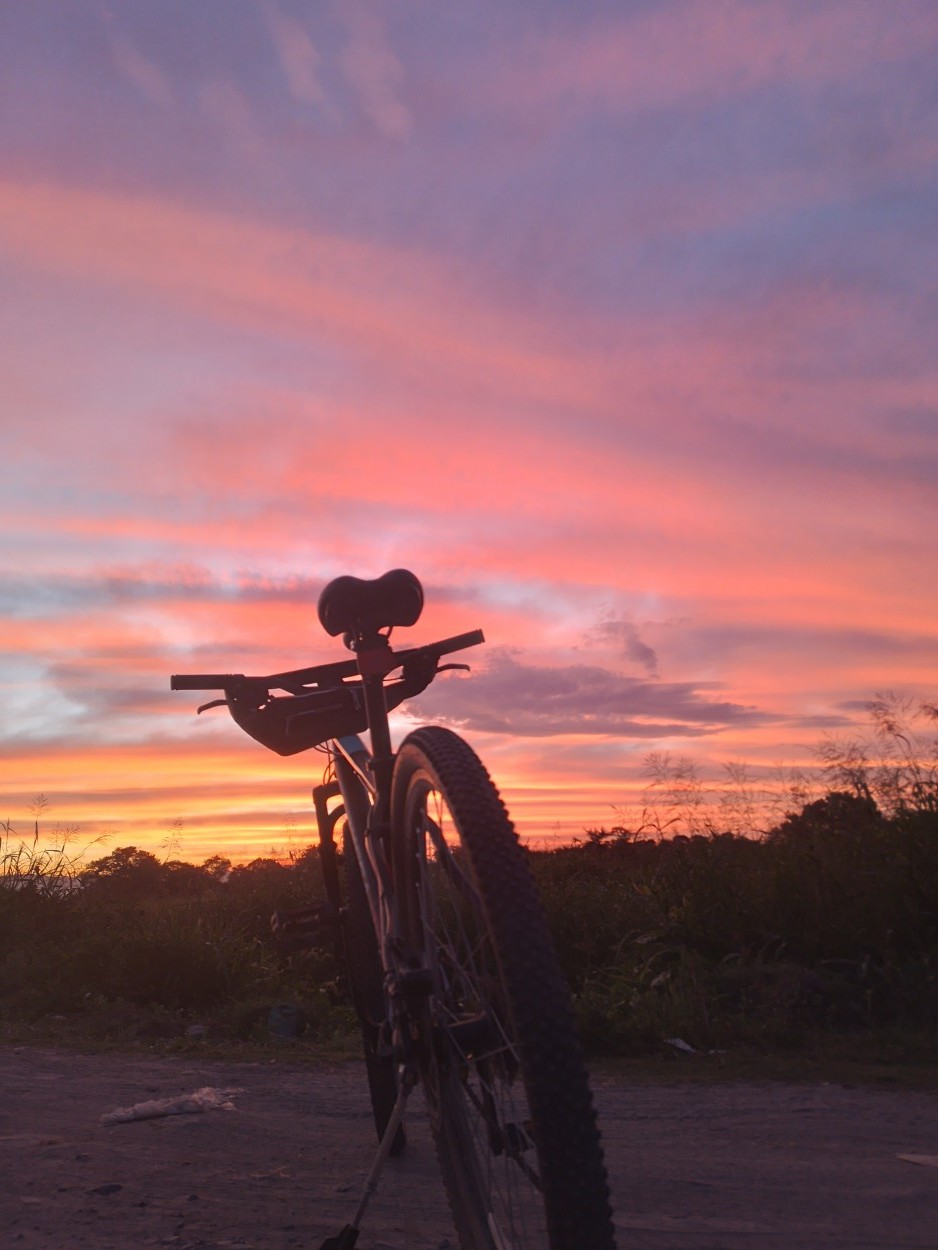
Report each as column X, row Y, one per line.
column 375, row 661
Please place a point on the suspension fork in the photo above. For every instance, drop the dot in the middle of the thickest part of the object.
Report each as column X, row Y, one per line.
column 326, row 820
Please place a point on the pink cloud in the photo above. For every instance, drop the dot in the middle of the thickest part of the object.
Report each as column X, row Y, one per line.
column 298, row 56
column 691, row 50
column 374, row 71
column 141, row 72
column 426, row 335
column 391, row 303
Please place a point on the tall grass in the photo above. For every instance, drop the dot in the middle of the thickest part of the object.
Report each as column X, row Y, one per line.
column 41, row 863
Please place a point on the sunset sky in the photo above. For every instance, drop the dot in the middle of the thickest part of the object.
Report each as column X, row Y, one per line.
column 616, row 322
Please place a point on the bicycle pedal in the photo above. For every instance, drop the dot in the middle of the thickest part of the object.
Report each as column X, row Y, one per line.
column 304, row 926
column 473, row 1035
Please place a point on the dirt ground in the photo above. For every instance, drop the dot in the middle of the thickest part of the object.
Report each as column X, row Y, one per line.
column 693, row 1166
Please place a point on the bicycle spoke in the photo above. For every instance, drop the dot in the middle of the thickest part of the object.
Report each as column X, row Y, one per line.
column 472, row 1031
column 503, row 1077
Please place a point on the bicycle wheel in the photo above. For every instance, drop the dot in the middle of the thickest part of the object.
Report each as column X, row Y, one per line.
column 503, row 1073
column 367, row 988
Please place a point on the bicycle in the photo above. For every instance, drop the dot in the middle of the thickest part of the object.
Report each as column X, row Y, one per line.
column 445, row 945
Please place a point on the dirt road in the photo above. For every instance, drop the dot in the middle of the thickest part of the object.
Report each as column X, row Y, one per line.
column 693, row 1166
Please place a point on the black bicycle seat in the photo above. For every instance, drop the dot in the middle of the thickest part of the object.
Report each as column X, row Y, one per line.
column 358, row 606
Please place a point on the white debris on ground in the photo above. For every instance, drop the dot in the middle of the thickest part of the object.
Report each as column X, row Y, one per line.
column 205, row 1099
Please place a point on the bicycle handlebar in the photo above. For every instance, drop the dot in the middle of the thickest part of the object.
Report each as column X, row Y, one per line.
column 321, row 674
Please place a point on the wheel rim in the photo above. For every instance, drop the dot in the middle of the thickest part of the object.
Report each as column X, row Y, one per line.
column 472, row 1074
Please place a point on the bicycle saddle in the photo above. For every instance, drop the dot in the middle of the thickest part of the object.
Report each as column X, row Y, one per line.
column 356, row 605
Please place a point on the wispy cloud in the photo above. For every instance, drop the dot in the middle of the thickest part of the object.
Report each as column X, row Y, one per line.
column 393, row 303
column 62, row 593
column 141, row 72
column 527, row 700
column 624, row 635
column 297, row 52
column 374, row 71
column 692, row 52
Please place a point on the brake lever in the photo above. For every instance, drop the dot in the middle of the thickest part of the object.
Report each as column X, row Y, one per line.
column 445, row 667
column 214, row 703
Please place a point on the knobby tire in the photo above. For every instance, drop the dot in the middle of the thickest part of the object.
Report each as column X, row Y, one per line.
column 503, row 1072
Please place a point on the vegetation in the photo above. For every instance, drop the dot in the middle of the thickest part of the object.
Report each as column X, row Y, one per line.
column 133, row 948
column 828, row 923
column 825, row 925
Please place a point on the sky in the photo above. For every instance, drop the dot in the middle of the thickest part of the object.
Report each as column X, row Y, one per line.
column 615, row 322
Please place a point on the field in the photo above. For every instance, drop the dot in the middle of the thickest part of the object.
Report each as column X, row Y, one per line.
column 820, row 937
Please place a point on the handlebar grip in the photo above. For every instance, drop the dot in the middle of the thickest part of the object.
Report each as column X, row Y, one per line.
column 459, row 643
column 204, row 681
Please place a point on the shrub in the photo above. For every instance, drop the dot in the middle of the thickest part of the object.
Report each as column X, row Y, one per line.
column 171, row 936
column 830, row 922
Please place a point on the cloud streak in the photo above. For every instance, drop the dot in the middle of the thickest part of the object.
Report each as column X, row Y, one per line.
column 511, row 697
column 692, row 53
column 297, row 53
column 34, row 597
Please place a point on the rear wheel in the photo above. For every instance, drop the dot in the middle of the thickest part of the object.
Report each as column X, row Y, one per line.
column 367, row 989
column 502, row 1070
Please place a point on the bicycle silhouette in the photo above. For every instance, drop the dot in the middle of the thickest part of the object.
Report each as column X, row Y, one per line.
column 442, row 938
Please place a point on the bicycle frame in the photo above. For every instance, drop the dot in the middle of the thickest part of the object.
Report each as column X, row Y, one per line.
column 356, row 785
column 364, row 782
column 454, row 1005
column 365, row 807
